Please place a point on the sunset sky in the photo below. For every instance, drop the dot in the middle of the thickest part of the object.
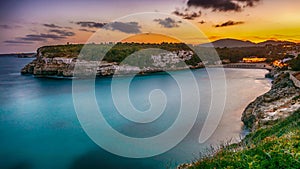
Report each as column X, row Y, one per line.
column 28, row 24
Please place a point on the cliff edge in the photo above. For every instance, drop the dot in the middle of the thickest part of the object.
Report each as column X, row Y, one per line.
column 278, row 103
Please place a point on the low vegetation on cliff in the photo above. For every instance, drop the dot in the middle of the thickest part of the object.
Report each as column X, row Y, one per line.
column 117, row 52
column 276, row 146
column 113, row 52
column 295, row 64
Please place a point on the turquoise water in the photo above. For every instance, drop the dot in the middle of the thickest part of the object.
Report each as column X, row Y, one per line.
column 39, row 128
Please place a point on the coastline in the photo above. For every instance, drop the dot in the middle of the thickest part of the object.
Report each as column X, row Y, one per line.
column 60, row 62
column 276, row 104
column 283, row 98
column 68, row 71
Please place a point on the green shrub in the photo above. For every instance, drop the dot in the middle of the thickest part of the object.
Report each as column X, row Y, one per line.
column 274, row 147
column 295, row 64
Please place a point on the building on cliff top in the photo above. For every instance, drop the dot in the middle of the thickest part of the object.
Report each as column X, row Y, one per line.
column 254, row 59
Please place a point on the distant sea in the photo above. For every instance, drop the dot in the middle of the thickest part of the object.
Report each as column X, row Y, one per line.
column 39, row 128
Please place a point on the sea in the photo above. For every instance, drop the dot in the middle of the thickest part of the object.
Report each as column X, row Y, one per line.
column 40, row 128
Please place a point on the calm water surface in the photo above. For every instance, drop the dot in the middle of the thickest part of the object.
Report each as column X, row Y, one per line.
column 39, row 128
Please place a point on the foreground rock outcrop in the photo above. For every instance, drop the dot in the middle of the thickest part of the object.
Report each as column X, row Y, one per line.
column 282, row 100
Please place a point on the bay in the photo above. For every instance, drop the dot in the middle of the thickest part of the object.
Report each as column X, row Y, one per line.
column 39, row 128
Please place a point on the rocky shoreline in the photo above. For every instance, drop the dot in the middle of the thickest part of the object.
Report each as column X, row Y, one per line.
column 280, row 102
column 44, row 66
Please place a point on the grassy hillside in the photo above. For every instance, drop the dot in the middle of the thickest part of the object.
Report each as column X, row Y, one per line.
column 274, row 147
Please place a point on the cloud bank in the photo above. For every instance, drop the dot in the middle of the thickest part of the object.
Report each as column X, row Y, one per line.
column 223, row 5
column 52, row 34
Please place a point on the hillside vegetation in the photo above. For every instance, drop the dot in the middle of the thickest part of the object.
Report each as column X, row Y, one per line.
column 276, row 147
column 118, row 52
column 295, row 64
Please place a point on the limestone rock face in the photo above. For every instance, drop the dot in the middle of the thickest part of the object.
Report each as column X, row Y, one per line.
column 45, row 66
column 282, row 100
column 50, row 67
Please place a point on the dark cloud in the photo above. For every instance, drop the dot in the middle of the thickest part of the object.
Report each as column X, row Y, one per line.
column 87, row 30
column 41, row 37
column 4, row 26
column 222, row 5
column 168, row 22
column 126, row 27
column 90, row 24
column 17, row 42
column 54, row 34
column 187, row 15
column 62, row 32
column 52, row 26
column 202, row 22
column 229, row 23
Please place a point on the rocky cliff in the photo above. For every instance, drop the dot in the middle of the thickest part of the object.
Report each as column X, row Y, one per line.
column 63, row 63
column 282, row 100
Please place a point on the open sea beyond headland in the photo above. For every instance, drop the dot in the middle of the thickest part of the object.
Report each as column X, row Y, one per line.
column 39, row 128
